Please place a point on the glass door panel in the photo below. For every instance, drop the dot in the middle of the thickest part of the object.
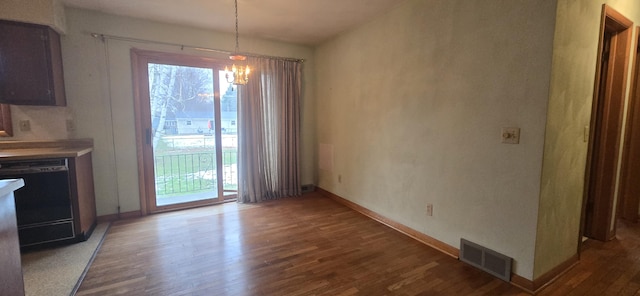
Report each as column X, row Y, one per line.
column 185, row 134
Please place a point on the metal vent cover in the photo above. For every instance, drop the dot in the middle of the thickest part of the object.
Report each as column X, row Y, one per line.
column 486, row 259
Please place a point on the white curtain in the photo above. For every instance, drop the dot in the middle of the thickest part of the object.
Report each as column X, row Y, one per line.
column 269, row 131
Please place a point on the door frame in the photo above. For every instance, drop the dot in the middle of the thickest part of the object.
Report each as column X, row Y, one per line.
column 598, row 213
column 629, row 195
column 144, row 149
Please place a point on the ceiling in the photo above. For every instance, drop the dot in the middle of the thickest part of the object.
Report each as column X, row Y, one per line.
column 307, row 22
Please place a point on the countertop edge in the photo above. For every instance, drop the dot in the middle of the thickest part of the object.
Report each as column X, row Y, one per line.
column 65, row 143
column 24, row 150
column 22, row 154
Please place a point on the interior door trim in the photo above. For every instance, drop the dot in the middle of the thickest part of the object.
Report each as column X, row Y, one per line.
column 605, row 126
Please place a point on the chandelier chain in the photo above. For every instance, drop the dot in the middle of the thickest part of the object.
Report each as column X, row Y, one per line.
column 237, row 43
column 237, row 75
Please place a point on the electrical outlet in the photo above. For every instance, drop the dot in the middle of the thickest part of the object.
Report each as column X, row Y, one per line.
column 25, row 125
column 71, row 125
column 339, row 178
column 429, row 209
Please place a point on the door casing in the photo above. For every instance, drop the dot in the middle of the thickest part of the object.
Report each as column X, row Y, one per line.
column 598, row 215
column 144, row 149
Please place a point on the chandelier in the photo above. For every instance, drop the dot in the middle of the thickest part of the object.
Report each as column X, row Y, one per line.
column 238, row 75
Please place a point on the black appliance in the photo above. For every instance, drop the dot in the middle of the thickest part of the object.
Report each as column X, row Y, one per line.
column 43, row 206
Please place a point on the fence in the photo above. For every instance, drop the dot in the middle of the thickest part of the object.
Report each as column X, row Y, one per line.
column 186, row 173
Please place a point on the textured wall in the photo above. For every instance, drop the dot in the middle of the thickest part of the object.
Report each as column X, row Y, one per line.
column 565, row 152
column 413, row 104
column 100, row 96
column 44, row 12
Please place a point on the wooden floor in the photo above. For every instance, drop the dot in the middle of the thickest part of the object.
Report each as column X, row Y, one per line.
column 311, row 246
column 611, row 268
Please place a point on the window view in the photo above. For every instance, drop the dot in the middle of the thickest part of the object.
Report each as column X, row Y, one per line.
column 188, row 164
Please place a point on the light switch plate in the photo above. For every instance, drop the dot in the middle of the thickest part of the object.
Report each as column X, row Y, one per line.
column 511, row 135
column 25, row 125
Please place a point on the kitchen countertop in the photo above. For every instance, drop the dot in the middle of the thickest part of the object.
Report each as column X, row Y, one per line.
column 20, row 150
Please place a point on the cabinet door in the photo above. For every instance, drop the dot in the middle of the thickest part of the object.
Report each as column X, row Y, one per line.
column 30, row 65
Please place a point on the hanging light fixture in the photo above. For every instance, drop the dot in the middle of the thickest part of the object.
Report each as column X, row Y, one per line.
column 238, row 75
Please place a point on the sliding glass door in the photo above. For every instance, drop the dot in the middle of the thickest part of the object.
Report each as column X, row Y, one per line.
column 191, row 132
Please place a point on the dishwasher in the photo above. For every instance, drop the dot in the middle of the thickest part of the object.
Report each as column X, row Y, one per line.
column 43, row 206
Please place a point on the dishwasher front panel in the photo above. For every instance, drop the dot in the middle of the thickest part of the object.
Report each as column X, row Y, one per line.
column 43, row 206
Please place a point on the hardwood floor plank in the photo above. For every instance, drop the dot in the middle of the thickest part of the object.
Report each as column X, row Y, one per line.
column 314, row 246
column 611, row 268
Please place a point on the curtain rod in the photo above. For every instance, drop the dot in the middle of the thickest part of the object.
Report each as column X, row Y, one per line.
column 182, row 46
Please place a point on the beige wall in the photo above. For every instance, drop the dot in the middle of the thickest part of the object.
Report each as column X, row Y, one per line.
column 100, row 96
column 565, row 152
column 413, row 105
column 44, row 12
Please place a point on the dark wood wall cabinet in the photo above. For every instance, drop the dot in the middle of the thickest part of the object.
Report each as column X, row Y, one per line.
column 30, row 65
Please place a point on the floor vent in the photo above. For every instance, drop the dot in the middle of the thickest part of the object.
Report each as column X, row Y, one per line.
column 485, row 259
column 308, row 188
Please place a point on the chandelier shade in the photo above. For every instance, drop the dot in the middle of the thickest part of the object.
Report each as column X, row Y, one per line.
column 238, row 75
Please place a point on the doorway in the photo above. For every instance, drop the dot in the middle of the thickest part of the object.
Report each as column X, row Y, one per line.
column 630, row 173
column 599, row 218
column 186, row 114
